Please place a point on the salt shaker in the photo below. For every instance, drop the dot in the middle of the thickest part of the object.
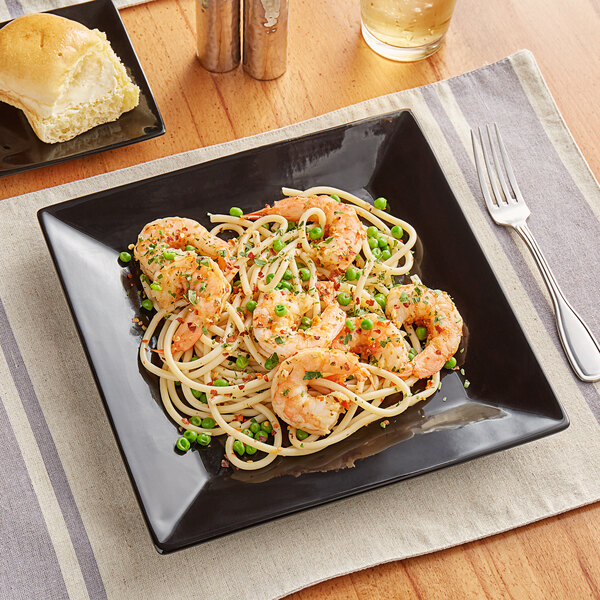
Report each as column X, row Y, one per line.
column 265, row 38
column 218, row 34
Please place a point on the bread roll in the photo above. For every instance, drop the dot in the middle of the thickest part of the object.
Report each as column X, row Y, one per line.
column 65, row 77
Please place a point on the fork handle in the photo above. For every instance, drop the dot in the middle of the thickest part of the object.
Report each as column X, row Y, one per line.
column 579, row 344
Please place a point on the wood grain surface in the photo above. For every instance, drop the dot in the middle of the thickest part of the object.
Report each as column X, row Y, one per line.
column 331, row 67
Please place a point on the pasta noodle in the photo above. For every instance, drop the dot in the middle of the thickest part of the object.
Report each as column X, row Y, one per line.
column 224, row 384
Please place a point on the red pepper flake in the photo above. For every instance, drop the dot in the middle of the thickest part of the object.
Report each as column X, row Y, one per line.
column 213, row 392
column 251, row 255
column 438, row 329
column 406, row 304
column 225, row 464
column 370, row 302
column 129, row 276
column 145, row 341
column 186, row 420
column 336, row 286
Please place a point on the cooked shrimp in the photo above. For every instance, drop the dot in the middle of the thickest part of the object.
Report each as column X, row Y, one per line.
column 433, row 309
column 207, row 290
column 383, row 344
column 290, row 396
column 277, row 315
column 174, row 234
column 344, row 232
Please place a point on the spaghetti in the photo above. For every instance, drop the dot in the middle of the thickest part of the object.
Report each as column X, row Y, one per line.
column 229, row 384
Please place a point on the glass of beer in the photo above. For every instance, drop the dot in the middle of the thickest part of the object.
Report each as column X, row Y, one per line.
column 405, row 30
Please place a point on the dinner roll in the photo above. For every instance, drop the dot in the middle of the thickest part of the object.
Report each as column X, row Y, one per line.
column 65, row 77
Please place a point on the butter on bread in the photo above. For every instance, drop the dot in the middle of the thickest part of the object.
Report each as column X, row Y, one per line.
column 65, row 77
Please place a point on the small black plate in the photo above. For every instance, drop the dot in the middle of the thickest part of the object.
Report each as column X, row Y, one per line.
column 21, row 149
column 191, row 498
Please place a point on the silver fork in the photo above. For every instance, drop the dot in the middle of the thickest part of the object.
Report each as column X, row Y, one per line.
column 507, row 207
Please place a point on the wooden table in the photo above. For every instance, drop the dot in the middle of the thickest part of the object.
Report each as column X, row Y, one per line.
column 330, row 67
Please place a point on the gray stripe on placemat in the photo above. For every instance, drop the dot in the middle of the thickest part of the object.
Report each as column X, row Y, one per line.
column 468, row 97
column 15, row 8
column 23, row 527
column 52, row 462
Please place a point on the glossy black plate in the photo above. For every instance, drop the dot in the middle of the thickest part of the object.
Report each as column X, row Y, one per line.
column 191, row 498
column 21, row 149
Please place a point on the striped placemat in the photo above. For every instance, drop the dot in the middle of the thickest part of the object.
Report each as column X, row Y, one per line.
column 70, row 526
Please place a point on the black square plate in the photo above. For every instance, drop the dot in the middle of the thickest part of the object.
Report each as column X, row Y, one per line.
column 191, row 498
column 21, row 149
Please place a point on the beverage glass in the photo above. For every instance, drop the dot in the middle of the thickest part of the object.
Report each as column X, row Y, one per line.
column 405, row 30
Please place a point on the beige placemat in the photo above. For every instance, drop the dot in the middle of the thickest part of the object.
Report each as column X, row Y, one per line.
column 70, row 526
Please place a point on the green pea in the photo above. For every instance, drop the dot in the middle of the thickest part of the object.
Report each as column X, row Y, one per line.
column 421, row 333
column 254, row 427
column 247, row 432
column 261, row 436
column 385, row 255
column 382, row 243
column 304, row 274
column 203, row 439
column 147, row 304
column 285, row 285
column 380, row 299
column 190, row 248
column 301, row 434
column 376, row 252
column 288, row 275
column 239, row 447
column 373, row 243
column 450, row 363
column 220, row 382
column 270, row 277
column 251, row 305
column 241, row 362
column 272, row 361
column 183, row 444
column 350, row 326
column 190, row 436
column 316, row 233
column 280, row 310
column 200, row 395
column 306, row 322
column 344, row 298
column 291, row 225
column 366, row 324
column 250, row 450
column 169, row 254
column 278, row 245
column 372, row 231
column 266, row 427
column 352, row 274
column 237, row 283
column 335, row 197
column 412, row 353
column 380, row 203
column 196, row 421
column 125, row 257
column 208, row 423
column 234, row 211
column 397, row 232
column 156, row 286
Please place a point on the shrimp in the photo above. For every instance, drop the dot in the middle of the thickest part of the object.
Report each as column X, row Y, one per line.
column 174, row 234
column 177, row 274
column 416, row 303
column 289, row 392
column 280, row 334
column 344, row 232
column 383, row 344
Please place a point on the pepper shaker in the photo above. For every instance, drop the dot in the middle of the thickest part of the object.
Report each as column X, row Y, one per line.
column 265, row 38
column 218, row 34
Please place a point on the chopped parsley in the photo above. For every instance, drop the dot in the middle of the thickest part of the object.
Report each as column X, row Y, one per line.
column 313, row 375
